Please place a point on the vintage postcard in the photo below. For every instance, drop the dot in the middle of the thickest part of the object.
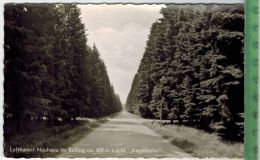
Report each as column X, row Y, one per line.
column 110, row 80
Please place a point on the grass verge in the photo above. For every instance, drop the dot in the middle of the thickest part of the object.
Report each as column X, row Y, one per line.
column 197, row 142
column 46, row 141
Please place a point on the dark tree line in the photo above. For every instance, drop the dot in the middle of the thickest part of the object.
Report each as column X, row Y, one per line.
column 192, row 69
column 50, row 71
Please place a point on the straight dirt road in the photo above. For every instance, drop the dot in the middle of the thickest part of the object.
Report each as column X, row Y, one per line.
column 123, row 136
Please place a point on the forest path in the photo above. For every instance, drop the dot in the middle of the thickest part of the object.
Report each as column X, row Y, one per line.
column 123, row 136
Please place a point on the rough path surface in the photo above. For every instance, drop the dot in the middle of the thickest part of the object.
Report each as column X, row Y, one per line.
column 123, row 136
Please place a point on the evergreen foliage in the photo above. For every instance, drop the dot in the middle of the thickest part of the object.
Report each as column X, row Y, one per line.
column 192, row 69
column 50, row 71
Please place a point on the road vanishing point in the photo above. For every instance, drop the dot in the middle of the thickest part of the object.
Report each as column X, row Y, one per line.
column 123, row 136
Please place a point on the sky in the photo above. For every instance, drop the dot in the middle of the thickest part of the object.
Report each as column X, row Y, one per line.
column 120, row 33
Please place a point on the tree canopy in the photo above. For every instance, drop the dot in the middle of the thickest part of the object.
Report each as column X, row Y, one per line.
column 192, row 69
column 50, row 70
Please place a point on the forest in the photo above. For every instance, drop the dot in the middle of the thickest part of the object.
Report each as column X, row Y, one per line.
column 192, row 69
column 51, row 73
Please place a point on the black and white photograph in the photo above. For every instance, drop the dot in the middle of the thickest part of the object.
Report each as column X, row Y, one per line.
column 123, row 80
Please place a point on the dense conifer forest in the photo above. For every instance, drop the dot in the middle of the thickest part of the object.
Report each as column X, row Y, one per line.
column 51, row 73
column 192, row 69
